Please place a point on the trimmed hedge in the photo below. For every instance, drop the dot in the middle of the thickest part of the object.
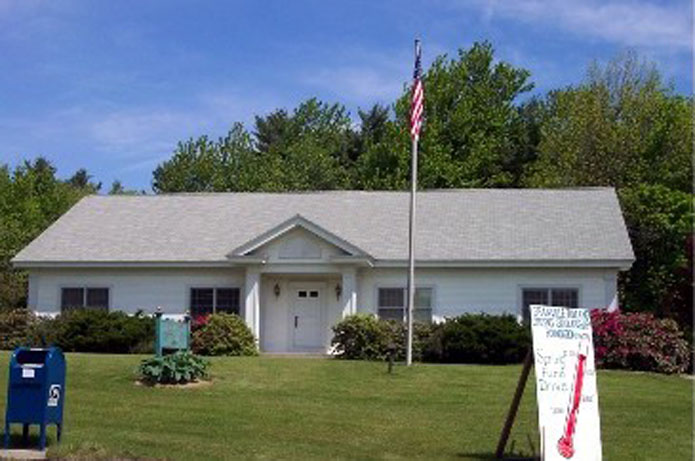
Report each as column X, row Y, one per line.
column 478, row 338
column 223, row 334
column 91, row 330
column 639, row 341
column 470, row 338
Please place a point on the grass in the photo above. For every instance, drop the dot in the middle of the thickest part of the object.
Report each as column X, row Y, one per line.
column 292, row 408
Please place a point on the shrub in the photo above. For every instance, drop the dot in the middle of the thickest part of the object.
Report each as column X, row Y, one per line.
column 224, row 334
column 364, row 337
column 469, row 338
column 639, row 341
column 90, row 330
column 178, row 368
column 397, row 334
column 360, row 337
column 478, row 338
column 15, row 325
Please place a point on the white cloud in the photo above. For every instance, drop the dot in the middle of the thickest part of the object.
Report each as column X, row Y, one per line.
column 625, row 22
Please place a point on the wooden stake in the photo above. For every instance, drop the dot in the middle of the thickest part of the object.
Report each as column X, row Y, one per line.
column 511, row 415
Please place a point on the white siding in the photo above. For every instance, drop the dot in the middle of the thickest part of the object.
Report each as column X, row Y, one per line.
column 490, row 290
column 455, row 291
column 130, row 289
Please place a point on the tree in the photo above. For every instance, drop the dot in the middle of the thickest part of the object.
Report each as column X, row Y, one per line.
column 660, row 222
column 117, row 188
column 373, row 122
column 471, row 126
column 273, row 130
column 307, row 149
column 620, row 127
column 202, row 165
column 528, row 132
column 82, row 180
column 31, row 198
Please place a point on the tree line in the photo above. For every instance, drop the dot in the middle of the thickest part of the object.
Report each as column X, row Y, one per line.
column 621, row 126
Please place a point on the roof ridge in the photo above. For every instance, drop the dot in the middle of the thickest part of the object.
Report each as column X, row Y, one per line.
column 360, row 191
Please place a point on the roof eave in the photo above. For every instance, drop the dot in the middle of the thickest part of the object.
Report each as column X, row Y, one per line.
column 27, row 264
column 620, row 264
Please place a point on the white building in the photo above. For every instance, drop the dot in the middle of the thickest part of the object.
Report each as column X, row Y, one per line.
column 293, row 264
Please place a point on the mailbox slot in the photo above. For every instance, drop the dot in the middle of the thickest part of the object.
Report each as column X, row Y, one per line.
column 32, row 357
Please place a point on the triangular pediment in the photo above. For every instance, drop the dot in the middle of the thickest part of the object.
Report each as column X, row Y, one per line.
column 297, row 246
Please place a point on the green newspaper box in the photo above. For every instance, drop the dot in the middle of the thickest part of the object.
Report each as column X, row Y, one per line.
column 172, row 334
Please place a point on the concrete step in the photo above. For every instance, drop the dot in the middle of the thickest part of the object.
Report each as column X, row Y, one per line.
column 22, row 454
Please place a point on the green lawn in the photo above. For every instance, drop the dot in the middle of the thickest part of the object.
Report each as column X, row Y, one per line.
column 292, row 408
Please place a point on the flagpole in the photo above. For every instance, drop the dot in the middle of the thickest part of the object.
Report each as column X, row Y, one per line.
column 411, row 240
column 411, row 253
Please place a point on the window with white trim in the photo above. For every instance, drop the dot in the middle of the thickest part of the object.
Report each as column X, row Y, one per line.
column 392, row 302
column 206, row 301
column 84, row 297
column 563, row 297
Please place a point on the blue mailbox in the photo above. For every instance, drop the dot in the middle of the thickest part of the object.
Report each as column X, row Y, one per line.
column 35, row 391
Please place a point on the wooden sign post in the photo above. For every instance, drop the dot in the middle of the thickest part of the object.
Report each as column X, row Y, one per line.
column 516, row 400
column 566, row 391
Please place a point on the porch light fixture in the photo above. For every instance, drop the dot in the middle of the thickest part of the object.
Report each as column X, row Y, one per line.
column 276, row 290
column 338, row 291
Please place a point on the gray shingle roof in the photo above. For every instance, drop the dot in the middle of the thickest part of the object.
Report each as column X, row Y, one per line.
column 458, row 225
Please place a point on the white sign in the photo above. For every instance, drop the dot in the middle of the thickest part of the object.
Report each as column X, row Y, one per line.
column 28, row 373
column 53, row 395
column 568, row 414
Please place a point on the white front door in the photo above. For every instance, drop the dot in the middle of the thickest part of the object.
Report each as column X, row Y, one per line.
column 306, row 319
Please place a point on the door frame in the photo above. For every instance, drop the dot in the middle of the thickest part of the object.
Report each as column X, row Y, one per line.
column 292, row 287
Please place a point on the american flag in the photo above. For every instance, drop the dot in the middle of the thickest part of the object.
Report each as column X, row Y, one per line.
column 417, row 105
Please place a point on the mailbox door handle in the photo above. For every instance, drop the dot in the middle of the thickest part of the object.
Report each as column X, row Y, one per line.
column 296, row 321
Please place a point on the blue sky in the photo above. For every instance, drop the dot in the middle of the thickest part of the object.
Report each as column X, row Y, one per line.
column 113, row 85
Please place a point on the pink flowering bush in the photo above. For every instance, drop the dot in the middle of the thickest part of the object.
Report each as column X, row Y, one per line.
column 198, row 321
column 639, row 341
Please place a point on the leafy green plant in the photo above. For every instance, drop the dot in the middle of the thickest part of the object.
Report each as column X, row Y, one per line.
column 90, row 330
column 224, row 334
column 179, row 368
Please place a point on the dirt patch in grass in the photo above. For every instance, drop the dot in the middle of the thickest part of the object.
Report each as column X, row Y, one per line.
column 191, row 385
